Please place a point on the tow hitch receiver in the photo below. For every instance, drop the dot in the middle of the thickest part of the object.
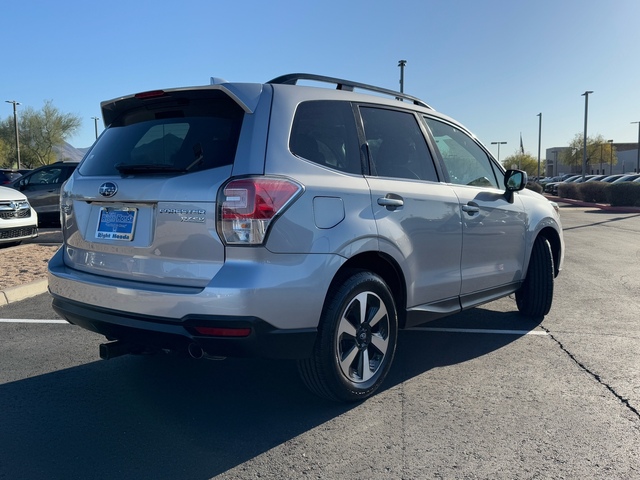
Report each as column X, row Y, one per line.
column 116, row 349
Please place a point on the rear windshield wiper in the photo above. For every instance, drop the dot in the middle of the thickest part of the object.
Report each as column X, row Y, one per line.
column 147, row 168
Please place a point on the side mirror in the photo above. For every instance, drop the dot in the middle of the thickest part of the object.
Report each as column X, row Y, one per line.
column 515, row 180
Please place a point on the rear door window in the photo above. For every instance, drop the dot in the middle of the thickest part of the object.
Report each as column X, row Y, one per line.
column 396, row 144
column 175, row 136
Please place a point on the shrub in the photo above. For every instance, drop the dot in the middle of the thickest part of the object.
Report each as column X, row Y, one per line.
column 536, row 187
column 569, row 190
column 593, row 192
column 624, row 194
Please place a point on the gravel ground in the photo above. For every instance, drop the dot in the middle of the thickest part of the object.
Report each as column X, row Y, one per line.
column 28, row 262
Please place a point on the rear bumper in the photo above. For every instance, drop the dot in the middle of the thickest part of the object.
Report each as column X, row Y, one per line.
column 285, row 291
column 158, row 332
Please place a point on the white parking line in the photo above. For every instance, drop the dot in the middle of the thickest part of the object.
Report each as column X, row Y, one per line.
column 26, row 320
column 481, row 330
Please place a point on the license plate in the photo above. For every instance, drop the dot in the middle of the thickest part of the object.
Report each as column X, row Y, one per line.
column 116, row 224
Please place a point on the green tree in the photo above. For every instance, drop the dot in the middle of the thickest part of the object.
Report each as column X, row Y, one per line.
column 40, row 131
column 524, row 161
column 599, row 152
column 5, row 153
column 8, row 157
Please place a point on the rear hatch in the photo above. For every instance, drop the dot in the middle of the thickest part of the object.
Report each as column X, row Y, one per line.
column 141, row 206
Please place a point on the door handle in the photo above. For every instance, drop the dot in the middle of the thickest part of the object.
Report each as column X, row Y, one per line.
column 390, row 202
column 471, row 209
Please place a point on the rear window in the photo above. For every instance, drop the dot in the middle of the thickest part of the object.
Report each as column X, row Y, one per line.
column 177, row 135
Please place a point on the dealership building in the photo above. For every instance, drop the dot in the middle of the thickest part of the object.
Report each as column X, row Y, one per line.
column 627, row 161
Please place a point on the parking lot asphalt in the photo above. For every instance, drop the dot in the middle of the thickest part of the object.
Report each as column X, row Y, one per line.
column 53, row 236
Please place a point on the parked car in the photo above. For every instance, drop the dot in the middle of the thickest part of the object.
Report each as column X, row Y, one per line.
column 627, row 178
column 611, row 178
column 42, row 188
column 8, row 176
column 552, row 187
column 289, row 221
column 18, row 220
column 596, row 178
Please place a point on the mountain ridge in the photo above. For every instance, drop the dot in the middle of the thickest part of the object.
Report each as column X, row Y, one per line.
column 69, row 153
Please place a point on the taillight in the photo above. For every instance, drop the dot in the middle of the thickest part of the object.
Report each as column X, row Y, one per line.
column 247, row 206
column 150, row 94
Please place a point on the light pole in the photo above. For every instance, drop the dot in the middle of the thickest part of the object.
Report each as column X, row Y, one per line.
column 638, row 160
column 539, row 143
column 15, row 127
column 601, row 159
column 610, row 142
column 402, row 64
column 584, row 150
column 498, row 143
column 555, row 163
column 95, row 122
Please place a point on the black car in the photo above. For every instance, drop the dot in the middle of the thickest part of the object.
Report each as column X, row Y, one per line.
column 42, row 188
column 8, row 176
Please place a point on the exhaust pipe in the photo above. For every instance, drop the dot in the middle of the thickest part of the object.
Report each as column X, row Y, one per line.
column 195, row 351
column 115, row 349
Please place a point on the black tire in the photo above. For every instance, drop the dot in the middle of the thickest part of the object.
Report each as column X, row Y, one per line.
column 536, row 294
column 356, row 340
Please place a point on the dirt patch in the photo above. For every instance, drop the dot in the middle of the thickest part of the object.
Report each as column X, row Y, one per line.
column 24, row 264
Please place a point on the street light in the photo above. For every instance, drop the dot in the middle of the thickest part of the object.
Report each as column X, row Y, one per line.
column 610, row 142
column 402, row 64
column 15, row 127
column 638, row 160
column 539, row 142
column 498, row 143
column 95, row 121
column 584, row 150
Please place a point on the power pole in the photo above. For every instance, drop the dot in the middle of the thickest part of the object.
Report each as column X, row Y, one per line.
column 15, row 127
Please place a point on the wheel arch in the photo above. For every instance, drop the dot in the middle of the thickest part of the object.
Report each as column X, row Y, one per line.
column 553, row 237
column 383, row 266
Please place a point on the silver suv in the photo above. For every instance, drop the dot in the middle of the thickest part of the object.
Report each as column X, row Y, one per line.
column 293, row 221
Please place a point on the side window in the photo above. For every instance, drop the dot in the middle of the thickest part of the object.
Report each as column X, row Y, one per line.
column 47, row 176
column 325, row 132
column 466, row 162
column 397, row 145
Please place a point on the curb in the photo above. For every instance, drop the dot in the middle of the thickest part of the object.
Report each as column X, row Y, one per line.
column 22, row 292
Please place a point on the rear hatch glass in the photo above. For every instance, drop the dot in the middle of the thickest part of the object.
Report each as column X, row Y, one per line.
column 173, row 133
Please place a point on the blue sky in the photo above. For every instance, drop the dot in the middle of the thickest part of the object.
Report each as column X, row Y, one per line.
column 494, row 65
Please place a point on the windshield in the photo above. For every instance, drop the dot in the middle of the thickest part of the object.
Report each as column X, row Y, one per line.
column 177, row 137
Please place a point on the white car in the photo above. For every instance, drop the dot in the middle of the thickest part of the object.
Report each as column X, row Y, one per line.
column 18, row 220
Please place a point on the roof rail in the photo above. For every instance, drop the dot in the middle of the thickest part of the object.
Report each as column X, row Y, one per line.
column 348, row 85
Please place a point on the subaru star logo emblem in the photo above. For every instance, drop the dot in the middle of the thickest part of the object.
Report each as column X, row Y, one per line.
column 108, row 189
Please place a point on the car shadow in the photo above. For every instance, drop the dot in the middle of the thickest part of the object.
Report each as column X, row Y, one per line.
column 172, row 417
